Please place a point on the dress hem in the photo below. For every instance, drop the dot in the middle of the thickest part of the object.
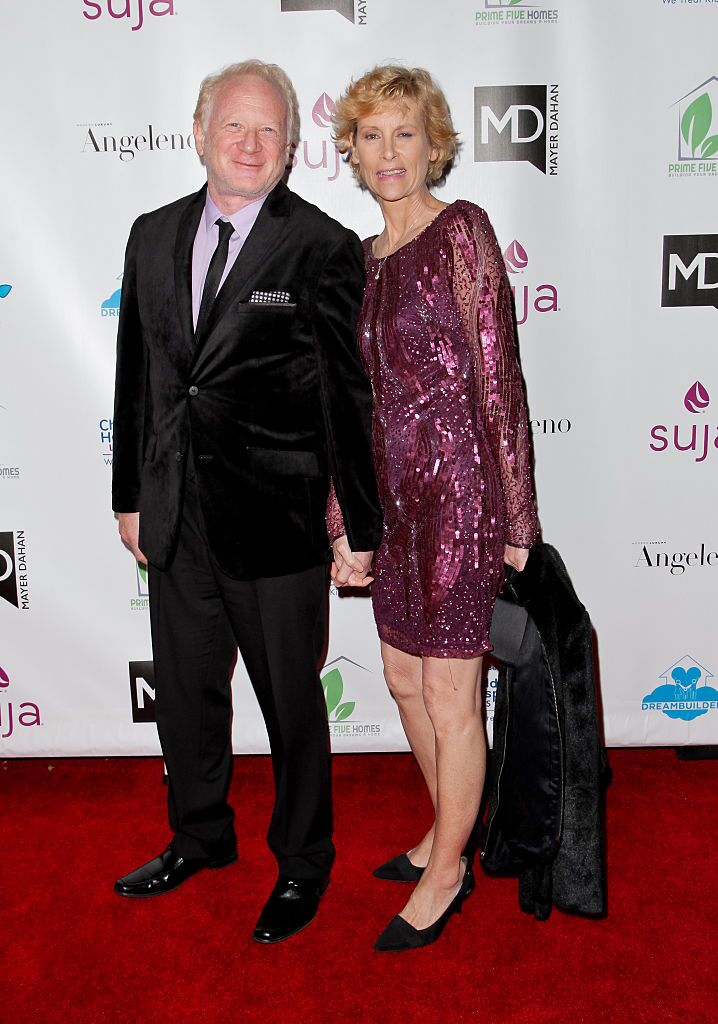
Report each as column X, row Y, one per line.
column 401, row 643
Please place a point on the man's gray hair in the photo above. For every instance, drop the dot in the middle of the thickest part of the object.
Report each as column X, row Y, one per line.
column 269, row 72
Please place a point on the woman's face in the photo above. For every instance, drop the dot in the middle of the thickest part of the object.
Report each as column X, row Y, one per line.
column 392, row 151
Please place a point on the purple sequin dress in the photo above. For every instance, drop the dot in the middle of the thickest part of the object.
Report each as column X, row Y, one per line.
column 450, row 434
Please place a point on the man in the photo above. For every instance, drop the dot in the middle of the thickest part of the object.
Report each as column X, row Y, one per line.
column 238, row 394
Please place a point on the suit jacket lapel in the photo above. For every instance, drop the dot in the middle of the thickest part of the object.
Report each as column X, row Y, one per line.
column 186, row 231
column 262, row 239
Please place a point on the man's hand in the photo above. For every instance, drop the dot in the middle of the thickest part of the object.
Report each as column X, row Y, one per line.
column 350, row 568
column 515, row 556
column 129, row 525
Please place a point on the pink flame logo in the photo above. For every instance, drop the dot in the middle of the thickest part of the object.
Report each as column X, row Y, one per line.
column 323, row 110
column 4, row 678
column 516, row 258
column 697, row 398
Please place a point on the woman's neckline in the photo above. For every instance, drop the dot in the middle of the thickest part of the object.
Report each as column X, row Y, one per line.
column 411, row 240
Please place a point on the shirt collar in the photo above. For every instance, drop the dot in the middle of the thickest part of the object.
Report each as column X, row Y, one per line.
column 242, row 221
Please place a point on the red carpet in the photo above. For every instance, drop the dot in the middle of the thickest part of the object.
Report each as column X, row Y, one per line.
column 72, row 951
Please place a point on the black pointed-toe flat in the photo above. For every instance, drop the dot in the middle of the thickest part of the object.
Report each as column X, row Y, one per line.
column 400, row 869
column 399, row 935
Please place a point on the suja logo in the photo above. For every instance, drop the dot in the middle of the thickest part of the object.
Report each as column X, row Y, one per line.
column 142, row 691
column 543, row 298
column 326, row 155
column 119, row 9
column 28, row 714
column 13, row 569
column 517, row 123
column 690, row 270
column 343, row 7
column 697, row 439
column 684, row 692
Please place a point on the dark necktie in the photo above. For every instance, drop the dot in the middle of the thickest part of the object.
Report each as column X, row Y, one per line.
column 214, row 276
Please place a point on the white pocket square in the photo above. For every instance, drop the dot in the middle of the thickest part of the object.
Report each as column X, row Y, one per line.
column 270, row 297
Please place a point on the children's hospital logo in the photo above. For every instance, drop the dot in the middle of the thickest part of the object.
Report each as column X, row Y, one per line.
column 684, row 691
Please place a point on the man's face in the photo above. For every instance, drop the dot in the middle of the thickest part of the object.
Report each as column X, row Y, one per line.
column 245, row 146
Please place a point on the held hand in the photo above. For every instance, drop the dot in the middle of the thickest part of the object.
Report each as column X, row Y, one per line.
column 350, row 568
column 129, row 526
column 515, row 556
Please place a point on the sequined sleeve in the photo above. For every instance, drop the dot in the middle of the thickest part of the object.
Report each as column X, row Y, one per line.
column 482, row 295
column 335, row 519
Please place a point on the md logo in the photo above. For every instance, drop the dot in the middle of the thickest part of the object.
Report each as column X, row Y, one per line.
column 142, row 691
column 690, row 270
column 684, row 692
column 517, row 123
column 111, row 305
column 343, row 7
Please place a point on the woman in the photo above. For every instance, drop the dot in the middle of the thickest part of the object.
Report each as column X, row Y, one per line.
column 451, row 449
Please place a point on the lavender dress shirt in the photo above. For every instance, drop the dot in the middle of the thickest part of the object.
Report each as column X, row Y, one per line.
column 207, row 237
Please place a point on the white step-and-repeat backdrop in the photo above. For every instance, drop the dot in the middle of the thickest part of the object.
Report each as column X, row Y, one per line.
column 590, row 134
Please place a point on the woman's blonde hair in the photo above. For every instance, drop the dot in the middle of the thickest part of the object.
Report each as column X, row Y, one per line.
column 393, row 85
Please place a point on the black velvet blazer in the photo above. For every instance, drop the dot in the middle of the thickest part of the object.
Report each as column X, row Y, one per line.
column 272, row 402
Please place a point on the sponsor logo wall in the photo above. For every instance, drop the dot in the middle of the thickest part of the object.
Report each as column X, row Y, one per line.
column 605, row 205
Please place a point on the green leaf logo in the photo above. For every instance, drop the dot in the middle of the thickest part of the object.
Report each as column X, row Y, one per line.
column 696, row 123
column 333, row 690
column 142, row 570
column 710, row 146
column 512, row 3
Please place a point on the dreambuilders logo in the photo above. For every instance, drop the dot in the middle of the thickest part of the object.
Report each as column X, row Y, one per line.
column 352, row 10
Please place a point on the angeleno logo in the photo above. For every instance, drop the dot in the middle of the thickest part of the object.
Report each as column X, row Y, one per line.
column 528, row 298
column 684, row 693
column 697, row 131
column 349, row 9
column 129, row 10
column 656, row 554
column 13, row 569
column 690, row 270
column 25, row 714
column 516, row 12
column 126, row 147
column 700, row 439
column 517, row 123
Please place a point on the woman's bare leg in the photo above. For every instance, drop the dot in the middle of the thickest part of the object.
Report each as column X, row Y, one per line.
column 403, row 673
column 450, row 689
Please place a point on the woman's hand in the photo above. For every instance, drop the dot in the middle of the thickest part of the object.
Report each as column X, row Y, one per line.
column 350, row 568
column 515, row 556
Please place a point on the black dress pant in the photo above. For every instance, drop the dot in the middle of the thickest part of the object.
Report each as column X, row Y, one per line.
column 199, row 617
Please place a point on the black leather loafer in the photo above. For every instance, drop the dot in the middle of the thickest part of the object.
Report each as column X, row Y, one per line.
column 291, row 906
column 165, row 873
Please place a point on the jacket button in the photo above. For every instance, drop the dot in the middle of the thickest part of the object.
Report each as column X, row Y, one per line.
column 205, row 458
column 194, row 390
column 178, row 456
